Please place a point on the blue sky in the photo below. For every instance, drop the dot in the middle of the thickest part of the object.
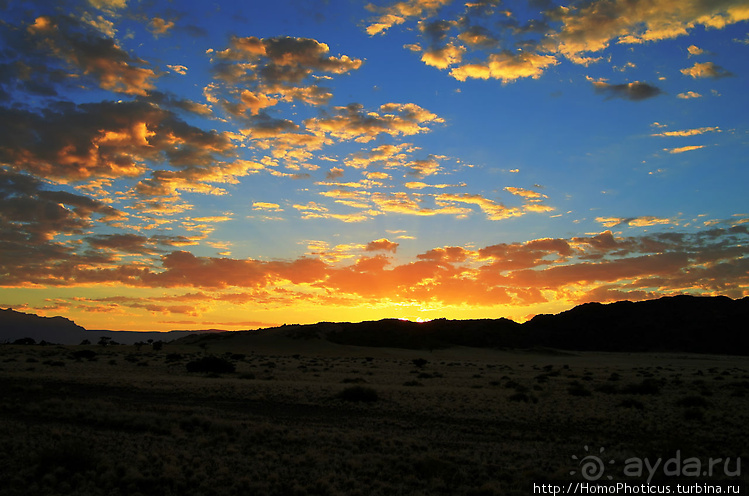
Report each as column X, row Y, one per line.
column 244, row 164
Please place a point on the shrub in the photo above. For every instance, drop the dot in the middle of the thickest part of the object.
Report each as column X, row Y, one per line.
column 84, row 355
column 413, row 384
column 607, row 388
column 632, row 403
column 694, row 414
column 693, row 402
column 420, row 362
column 519, row 397
column 359, row 394
column 211, row 364
column 354, row 380
column 577, row 389
column 647, row 386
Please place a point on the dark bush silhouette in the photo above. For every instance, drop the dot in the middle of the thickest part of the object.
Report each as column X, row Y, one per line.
column 647, row 386
column 413, row 384
column 519, row 397
column 631, row 403
column 25, row 341
column 211, row 364
column 359, row 394
column 577, row 389
column 693, row 402
column 354, row 380
column 84, row 355
column 420, row 362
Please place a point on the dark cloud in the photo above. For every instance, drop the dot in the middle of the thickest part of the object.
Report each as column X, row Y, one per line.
column 84, row 49
column 32, row 217
column 105, row 139
column 629, row 91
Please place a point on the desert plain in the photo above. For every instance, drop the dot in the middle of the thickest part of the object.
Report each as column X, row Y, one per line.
column 309, row 417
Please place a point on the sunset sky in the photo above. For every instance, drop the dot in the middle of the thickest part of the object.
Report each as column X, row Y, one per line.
column 235, row 165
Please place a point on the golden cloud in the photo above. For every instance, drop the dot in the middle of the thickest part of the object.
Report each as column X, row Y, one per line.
column 689, row 132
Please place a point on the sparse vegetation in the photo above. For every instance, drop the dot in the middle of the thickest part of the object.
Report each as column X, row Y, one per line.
column 340, row 425
column 211, row 365
column 359, row 394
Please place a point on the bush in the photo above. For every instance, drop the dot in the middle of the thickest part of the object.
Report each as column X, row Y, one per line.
column 211, row 364
column 84, row 355
column 519, row 397
column 632, row 403
column 359, row 394
column 693, row 402
column 647, row 386
column 577, row 389
column 413, row 384
column 420, row 362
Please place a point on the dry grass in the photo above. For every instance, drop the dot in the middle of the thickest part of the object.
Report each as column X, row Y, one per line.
column 115, row 420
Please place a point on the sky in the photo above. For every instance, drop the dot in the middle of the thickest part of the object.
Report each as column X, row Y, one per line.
column 238, row 165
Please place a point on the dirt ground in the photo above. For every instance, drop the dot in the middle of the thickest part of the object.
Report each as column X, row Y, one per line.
column 312, row 418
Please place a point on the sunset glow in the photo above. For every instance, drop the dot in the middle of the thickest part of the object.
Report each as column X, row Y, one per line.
column 238, row 165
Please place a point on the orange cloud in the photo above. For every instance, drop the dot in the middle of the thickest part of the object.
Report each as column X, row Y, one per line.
column 683, row 149
column 353, row 123
column 159, row 26
column 86, row 51
column 399, row 12
column 705, row 70
column 383, row 244
column 689, row 132
column 506, row 67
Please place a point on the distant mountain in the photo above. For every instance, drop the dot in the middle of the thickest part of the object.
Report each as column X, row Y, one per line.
column 59, row 330
column 693, row 324
column 680, row 323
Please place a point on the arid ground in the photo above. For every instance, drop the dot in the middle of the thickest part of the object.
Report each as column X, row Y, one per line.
column 313, row 418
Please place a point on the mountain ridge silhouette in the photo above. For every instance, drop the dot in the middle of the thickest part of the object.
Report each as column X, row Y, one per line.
column 696, row 324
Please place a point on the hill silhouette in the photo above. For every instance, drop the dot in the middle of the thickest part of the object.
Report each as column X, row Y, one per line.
column 16, row 325
column 693, row 324
column 679, row 323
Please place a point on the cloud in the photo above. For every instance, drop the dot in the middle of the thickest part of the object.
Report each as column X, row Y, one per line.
column 706, row 70
column 387, row 154
column 524, row 273
column 635, row 91
column 689, row 95
column 689, row 132
column 258, row 73
column 443, row 57
column 493, row 210
column 267, row 207
column 399, row 12
column 683, row 149
column 334, row 173
column 382, row 244
column 525, row 193
column 503, row 47
column 352, row 122
column 505, row 66
column 107, row 139
column 159, row 26
column 85, row 50
column 643, row 221
column 179, row 69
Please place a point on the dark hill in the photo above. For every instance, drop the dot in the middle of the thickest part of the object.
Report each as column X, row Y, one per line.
column 679, row 323
column 17, row 325
column 693, row 324
column 59, row 330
